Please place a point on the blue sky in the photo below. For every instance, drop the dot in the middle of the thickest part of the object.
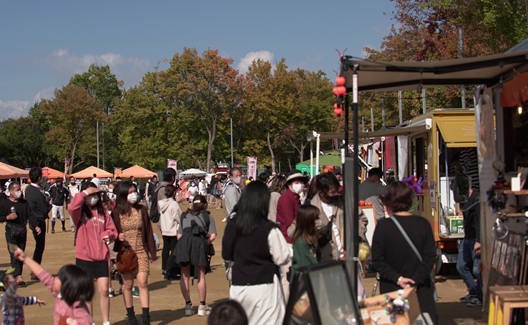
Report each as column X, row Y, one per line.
column 44, row 43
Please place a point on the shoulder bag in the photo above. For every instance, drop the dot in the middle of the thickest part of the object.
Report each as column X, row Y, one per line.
column 397, row 223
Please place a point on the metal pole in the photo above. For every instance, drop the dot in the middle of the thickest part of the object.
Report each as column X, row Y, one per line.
column 317, row 148
column 103, row 148
column 372, row 118
column 311, row 160
column 400, row 106
column 424, row 101
column 461, row 55
column 97, row 132
column 362, row 123
column 232, row 160
column 355, row 216
column 383, row 111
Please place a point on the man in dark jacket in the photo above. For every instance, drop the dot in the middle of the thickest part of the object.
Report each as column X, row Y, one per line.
column 59, row 195
column 15, row 212
column 469, row 250
column 40, row 208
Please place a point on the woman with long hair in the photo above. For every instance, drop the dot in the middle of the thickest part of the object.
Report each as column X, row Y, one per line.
column 277, row 187
column 305, row 239
column 197, row 230
column 94, row 231
column 135, row 230
column 256, row 246
column 169, row 224
column 395, row 258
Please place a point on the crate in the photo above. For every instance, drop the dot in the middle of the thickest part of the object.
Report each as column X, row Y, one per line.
column 456, row 225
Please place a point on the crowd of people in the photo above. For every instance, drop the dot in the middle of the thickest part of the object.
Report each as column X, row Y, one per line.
column 276, row 224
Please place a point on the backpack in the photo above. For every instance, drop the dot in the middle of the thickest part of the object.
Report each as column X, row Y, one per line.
column 154, row 213
column 205, row 217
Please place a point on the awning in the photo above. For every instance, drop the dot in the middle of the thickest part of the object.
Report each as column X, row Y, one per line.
column 515, row 91
column 90, row 171
column 458, row 134
column 138, row 172
column 394, row 76
column 399, row 130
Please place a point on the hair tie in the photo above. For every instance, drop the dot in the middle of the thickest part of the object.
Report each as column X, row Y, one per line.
column 197, row 201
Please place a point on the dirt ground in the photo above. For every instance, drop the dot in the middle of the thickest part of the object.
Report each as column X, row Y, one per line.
column 166, row 302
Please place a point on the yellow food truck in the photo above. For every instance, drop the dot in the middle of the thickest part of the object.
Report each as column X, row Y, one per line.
column 440, row 148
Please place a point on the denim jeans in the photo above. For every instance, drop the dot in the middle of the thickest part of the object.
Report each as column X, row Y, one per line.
column 466, row 253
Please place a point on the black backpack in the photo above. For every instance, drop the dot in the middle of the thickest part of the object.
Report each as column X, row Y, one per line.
column 154, row 213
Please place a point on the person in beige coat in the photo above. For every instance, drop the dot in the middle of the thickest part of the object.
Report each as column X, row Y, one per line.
column 330, row 204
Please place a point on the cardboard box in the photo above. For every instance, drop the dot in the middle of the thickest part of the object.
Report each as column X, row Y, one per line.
column 456, row 225
column 373, row 310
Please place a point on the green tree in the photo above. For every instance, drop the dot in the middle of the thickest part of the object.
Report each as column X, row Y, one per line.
column 72, row 117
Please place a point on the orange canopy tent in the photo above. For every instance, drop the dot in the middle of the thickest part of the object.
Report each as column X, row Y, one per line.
column 52, row 173
column 8, row 171
column 88, row 173
column 137, row 171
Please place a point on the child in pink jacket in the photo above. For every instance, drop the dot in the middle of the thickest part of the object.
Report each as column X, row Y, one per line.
column 95, row 229
column 72, row 288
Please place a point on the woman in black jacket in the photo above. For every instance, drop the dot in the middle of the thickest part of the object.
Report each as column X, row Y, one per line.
column 394, row 258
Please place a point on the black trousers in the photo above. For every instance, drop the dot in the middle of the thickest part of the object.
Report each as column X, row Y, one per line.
column 20, row 242
column 40, row 241
column 169, row 243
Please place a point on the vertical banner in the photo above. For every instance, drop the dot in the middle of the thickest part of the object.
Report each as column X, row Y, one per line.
column 174, row 165
column 403, row 156
column 390, row 153
column 117, row 172
column 484, row 122
column 252, row 168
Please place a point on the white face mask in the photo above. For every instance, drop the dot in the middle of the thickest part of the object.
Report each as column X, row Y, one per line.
column 92, row 200
column 132, row 198
column 237, row 180
column 18, row 194
column 297, row 188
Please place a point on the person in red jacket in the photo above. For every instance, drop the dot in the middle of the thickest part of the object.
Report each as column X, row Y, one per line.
column 290, row 201
column 95, row 229
column 287, row 207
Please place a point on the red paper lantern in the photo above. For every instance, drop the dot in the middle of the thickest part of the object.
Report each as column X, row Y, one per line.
column 340, row 81
column 341, row 91
column 335, row 91
column 338, row 109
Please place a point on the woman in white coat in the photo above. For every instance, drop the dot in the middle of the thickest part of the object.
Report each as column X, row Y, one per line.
column 170, row 213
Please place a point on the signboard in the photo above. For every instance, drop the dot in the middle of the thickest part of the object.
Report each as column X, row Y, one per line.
column 174, row 165
column 252, row 168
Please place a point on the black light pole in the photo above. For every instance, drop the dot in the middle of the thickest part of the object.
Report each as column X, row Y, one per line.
column 351, row 222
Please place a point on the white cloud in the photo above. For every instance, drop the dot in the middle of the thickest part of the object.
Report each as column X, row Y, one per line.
column 13, row 109
column 128, row 69
column 246, row 61
column 18, row 108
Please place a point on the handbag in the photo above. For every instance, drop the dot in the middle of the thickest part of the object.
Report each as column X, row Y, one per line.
column 397, row 223
column 210, row 250
column 126, row 260
column 16, row 231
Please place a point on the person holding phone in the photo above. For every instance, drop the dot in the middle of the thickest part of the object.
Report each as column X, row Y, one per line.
column 15, row 212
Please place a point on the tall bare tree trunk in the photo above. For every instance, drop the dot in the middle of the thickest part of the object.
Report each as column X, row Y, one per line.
column 271, row 153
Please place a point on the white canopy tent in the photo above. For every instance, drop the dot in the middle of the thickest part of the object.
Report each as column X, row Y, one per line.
column 192, row 172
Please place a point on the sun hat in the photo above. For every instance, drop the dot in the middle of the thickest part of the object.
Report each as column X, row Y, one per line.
column 296, row 174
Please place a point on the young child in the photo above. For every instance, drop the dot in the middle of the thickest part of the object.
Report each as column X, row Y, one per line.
column 12, row 303
column 73, row 288
column 305, row 239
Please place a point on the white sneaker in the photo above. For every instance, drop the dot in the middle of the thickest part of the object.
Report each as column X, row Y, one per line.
column 224, row 220
column 204, row 310
column 188, row 310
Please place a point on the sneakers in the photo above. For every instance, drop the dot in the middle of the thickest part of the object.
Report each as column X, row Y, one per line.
column 111, row 293
column 72, row 229
column 135, row 292
column 204, row 310
column 467, row 298
column 189, row 309
column 63, row 229
column 52, row 231
column 474, row 302
column 224, row 220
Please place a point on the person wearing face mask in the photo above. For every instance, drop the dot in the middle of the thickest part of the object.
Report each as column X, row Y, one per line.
column 232, row 190
column 193, row 191
column 95, row 230
column 287, row 206
column 15, row 212
column 135, row 229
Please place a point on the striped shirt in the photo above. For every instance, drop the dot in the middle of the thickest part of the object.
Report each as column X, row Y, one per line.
column 13, row 306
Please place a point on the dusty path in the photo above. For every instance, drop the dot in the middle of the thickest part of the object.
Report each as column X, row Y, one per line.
column 167, row 304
